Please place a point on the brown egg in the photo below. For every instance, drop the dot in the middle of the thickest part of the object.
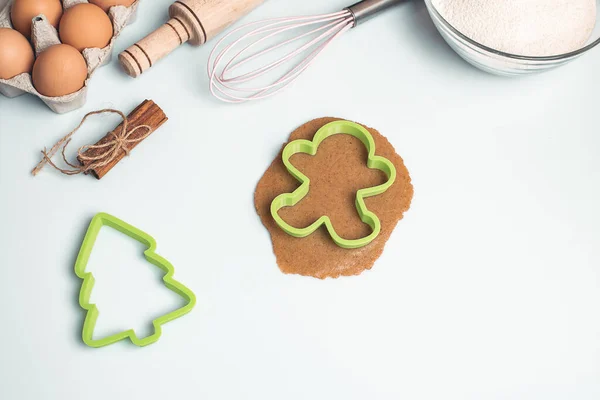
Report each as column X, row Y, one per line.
column 84, row 26
column 23, row 11
column 106, row 4
column 59, row 70
column 16, row 54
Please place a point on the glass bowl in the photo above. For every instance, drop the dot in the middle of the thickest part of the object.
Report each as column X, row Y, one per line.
column 498, row 62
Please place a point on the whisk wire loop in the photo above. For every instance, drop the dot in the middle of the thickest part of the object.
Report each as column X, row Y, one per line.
column 230, row 87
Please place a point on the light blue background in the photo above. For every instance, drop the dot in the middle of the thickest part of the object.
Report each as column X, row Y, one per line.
column 488, row 289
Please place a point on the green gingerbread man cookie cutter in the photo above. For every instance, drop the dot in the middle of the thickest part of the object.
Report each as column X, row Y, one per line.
column 89, row 324
column 311, row 147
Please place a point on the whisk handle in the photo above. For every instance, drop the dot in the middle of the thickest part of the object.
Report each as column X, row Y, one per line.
column 366, row 9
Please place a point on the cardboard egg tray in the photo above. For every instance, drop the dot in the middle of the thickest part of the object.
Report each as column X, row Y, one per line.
column 44, row 35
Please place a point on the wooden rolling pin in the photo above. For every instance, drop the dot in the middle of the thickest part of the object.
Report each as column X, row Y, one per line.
column 194, row 21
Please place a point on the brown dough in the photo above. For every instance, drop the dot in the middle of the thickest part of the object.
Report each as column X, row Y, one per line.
column 336, row 172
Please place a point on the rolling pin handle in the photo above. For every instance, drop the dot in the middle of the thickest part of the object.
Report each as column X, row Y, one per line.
column 145, row 53
column 193, row 21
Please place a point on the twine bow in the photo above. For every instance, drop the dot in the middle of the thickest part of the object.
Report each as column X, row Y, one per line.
column 110, row 150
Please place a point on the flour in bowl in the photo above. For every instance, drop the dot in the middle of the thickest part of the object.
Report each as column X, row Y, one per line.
column 523, row 27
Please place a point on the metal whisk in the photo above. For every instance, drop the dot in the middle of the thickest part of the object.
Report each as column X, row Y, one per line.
column 318, row 31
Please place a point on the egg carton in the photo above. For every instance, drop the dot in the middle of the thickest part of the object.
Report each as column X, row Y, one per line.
column 44, row 35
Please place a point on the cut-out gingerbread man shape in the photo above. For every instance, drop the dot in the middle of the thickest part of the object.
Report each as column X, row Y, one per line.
column 311, row 147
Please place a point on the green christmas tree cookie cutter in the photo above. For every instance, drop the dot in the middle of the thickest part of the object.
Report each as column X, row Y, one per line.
column 311, row 147
column 89, row 324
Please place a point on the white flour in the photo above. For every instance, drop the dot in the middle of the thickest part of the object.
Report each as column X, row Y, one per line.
column 523, row 27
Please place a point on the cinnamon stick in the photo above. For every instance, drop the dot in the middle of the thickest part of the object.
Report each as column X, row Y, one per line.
column 147, row 113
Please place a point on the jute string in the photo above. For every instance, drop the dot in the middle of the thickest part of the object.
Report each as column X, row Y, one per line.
column 110, row 150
